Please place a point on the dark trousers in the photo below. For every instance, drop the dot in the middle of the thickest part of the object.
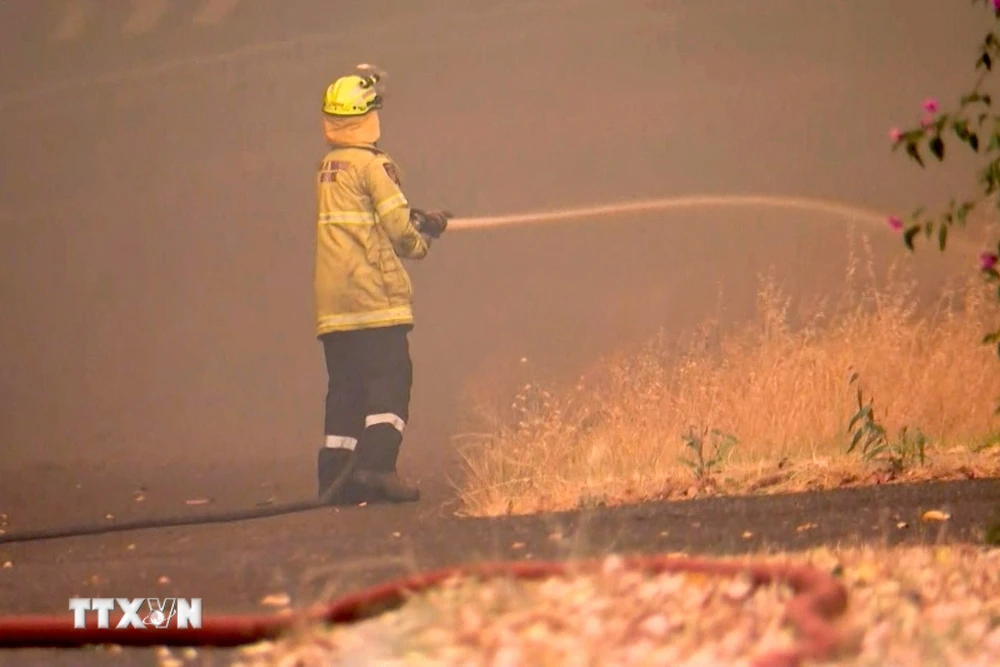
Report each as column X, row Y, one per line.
column 368, row 398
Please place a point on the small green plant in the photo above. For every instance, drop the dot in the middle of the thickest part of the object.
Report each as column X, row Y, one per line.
column 989, row 442
column 908, row 447
column 702, row 467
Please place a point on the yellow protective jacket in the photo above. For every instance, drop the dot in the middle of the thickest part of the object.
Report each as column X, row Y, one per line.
column 363, row 230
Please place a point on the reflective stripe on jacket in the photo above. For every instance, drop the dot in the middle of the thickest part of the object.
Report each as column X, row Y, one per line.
column 363, row 231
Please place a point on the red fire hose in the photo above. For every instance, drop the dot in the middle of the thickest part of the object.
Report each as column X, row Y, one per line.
column 818, row 601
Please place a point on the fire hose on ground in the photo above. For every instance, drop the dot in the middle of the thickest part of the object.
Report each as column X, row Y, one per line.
column 819, row 601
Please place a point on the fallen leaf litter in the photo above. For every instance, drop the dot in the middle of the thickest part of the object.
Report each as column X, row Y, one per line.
column 930, row 605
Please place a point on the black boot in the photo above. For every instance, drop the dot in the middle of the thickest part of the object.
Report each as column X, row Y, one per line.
column 330, row 464
column 375, row 469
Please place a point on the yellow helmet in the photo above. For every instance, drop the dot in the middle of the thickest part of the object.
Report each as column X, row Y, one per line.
column 355, row 94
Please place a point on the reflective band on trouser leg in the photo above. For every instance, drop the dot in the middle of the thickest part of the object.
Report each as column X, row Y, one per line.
column 341, row 442
column 386, row 418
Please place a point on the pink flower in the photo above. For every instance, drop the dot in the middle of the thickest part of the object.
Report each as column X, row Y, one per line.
column 930, row 105
column 895, row 133
column 987, row 260
column 996, row 5
column 894, row 221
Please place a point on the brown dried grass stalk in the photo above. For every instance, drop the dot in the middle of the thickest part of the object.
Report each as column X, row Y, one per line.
column 778, row 384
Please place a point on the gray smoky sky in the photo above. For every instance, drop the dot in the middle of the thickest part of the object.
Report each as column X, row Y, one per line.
column 157, row 202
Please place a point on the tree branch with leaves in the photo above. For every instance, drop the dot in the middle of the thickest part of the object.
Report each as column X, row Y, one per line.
column 974, row 123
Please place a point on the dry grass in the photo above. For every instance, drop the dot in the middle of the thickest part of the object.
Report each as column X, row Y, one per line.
column 778, row 385
column 908, row 606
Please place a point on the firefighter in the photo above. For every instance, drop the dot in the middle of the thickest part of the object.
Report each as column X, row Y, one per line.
column 363, row 295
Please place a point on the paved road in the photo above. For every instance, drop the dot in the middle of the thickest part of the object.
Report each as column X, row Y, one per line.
column 330, row 552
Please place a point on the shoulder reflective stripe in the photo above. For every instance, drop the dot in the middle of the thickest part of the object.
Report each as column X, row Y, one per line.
column 389, row 205
column 393, row 420
column 346, row 218
column 341, row 442
column 372, row 317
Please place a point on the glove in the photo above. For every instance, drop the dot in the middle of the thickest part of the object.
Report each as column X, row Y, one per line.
column 431, row 223
column 436, row 222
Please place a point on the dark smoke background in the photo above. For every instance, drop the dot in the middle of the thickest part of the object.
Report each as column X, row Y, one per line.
column 157, row 200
